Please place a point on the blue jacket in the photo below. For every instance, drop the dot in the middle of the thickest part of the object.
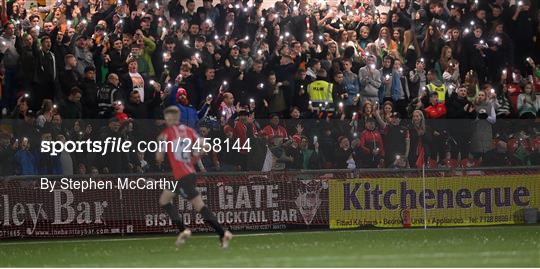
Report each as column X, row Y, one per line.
column 46, row 164
column 26, row 162
column 351, row 83
column 188, row 116
column 395, row 88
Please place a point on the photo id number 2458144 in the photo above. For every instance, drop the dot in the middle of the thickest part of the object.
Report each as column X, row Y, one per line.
column 213, row 145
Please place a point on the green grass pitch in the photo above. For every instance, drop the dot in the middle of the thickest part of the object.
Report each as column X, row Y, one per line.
column 509, row 246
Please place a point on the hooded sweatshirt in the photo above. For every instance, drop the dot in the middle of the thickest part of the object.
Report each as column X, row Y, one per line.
column 370, row 82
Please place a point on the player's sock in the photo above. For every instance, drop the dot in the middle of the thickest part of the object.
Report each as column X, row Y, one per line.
column 175, row 217
column 211, row 219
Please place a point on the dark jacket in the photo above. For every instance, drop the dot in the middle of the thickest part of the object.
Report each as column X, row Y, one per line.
column 70, row 110
column 117, row 64
column 89, row 98
column 456, row 108
column 68, row 79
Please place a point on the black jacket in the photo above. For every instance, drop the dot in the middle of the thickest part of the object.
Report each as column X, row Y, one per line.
column 45, row 67
column 68, row 79
column 89, row 98
column 456, row 108
column 117, row 64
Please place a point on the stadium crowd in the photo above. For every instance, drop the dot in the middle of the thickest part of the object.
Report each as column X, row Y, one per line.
column 359, row 84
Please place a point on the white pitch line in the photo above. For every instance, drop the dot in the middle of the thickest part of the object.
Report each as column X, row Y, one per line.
column 91, row 240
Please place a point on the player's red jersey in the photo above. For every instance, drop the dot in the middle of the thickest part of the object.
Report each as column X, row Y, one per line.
column 180, row 154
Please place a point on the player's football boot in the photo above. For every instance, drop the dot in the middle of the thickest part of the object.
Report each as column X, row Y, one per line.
column 227, row 237
column 182, row 237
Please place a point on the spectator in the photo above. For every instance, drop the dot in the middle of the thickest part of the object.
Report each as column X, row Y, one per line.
column 528, row 104
column 370, row 79
column 351, row 82
column 208, row 86
column 431, row 45
column 339, row 91
column 118, row 111
column 276, row 96
column 89, row 89
column 115, row 162
column 371, row 145
column 310, row 157
column 435, row 85
column 459, row 107
column 450, row 76
column 227, row 108
column 273, row 129
column 301, row 97
column 83, row 54
column 27, row 62
column 45, row 114
column 46, row 164
column 435, row 109
column 313, row 69
column 66, row 162
column 418, row 79
column 320, row 90
column 9, row 64
column 46, row 72
column 8, row 148
column 482, row 134
column 395, row 139
column 244, row 129
column 499, row 156
column 421, row 138
column 133, row 80
column 444, row 61
column 387, row 111
column 71, row 108
column 116, row 57
column 142, row 50
column 344, row 155
column 69, row 77
column 475, row 49
column 188, row 114
column 107, row 95
column 504, row 105
column 24, row 159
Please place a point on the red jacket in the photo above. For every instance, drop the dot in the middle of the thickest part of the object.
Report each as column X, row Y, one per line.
column 369, row 140
column 270, row 132
column 240, row 132
column 121, row 117
column 436, row 111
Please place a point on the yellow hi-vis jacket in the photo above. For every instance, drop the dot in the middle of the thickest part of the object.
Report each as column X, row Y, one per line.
column 440, row 90
column 320, row 91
